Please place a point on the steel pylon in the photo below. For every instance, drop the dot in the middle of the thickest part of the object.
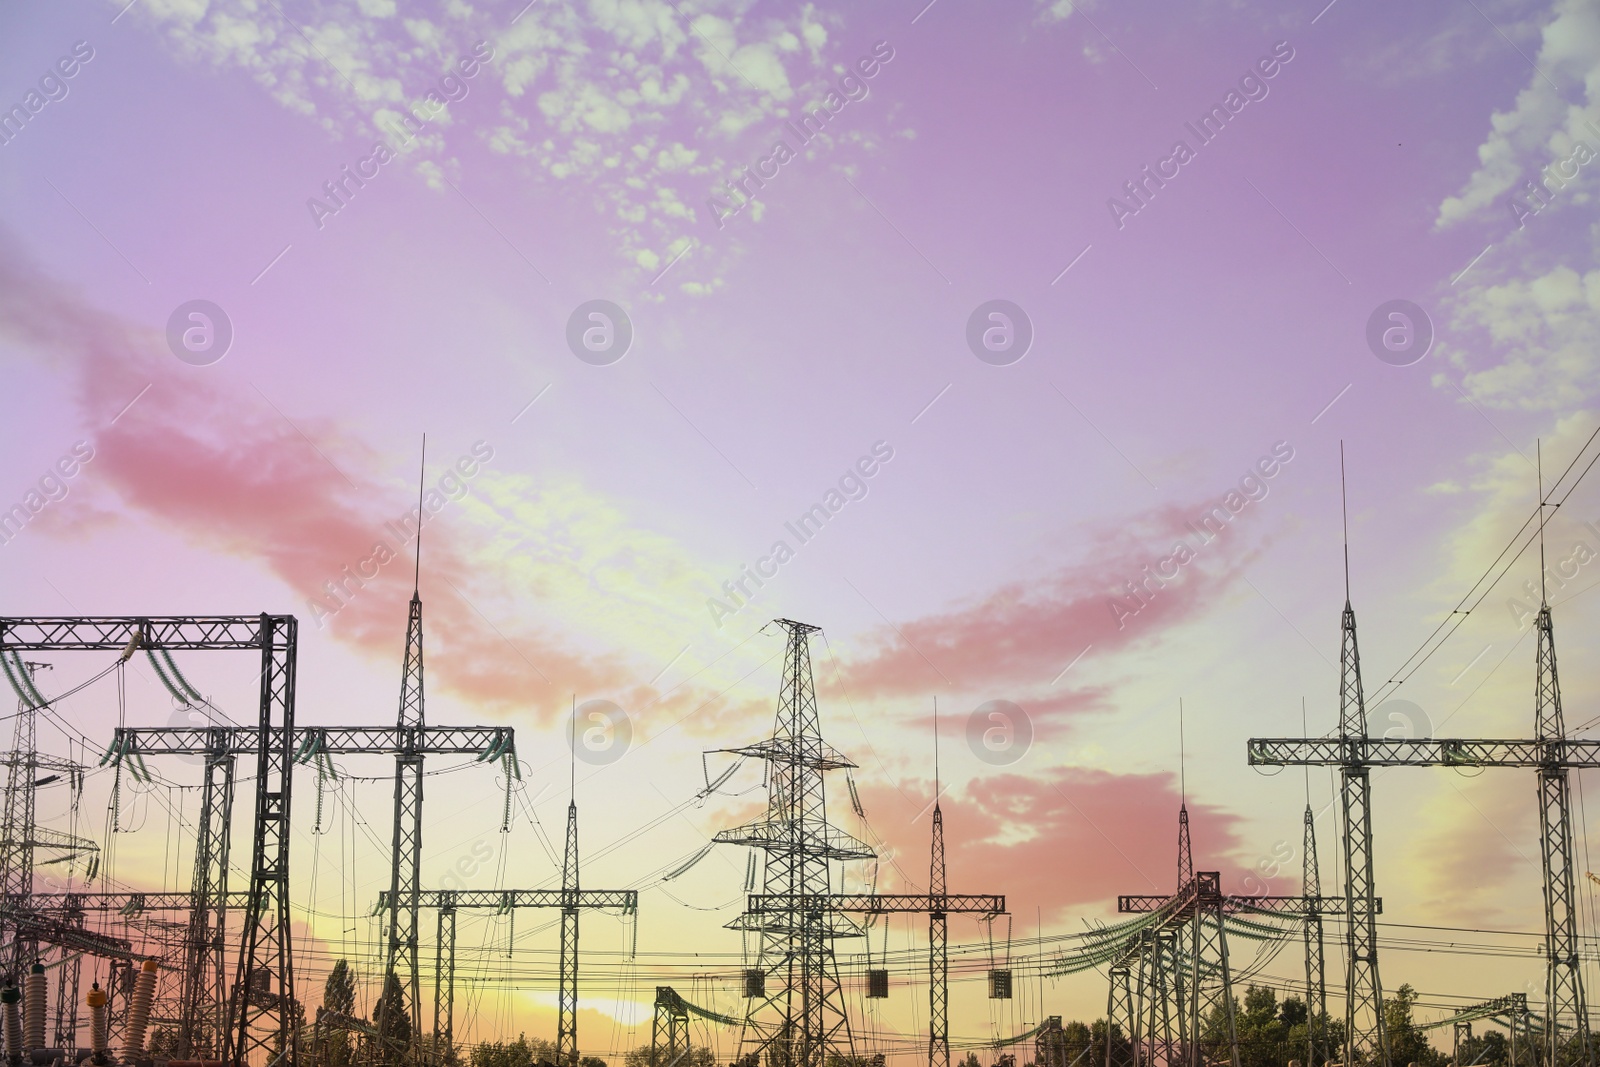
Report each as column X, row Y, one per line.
column 203, row 997
column 400, row 962
column 1564, row 997
column 567, row 1023
column 802, row 1021
column 1365, row 1038
column 1316, row 983
column 938, row 951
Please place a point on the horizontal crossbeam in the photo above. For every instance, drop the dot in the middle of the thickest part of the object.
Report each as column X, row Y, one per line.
column 878, row 903
column 506, row 899
column 36, row 926
column 1422, row 752
column 101, row 632
column 486, row 741
column 128, row 903
column 1238, row 905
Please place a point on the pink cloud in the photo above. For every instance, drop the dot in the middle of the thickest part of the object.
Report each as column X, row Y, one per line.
column 1071, row 838
column 229, row 472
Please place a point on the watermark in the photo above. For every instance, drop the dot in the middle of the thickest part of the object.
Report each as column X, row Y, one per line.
column 453, row 484
column 191, row 717
column 1560, row 570
column 999, row 332
column 1399, row 332
column 473, row 859
column 1252, row 87
column 599, row 332
column 51, row 488
column 451, row 88
column 850, row 88
column 1258, row 880
column 999, row 732
column 1537, row 197
column 601, row 732
column 199, row 332
column 1253, row 487
column 852, row 485
column 1399, row 720
column 53, row 88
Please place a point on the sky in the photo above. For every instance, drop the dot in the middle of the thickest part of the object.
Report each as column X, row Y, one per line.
column 940, row 326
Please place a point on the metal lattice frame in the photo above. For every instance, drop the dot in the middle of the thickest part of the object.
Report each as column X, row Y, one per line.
column 220, row 745
column 1316, row 982
column 1211, row 981
column 803, row 1020
column 567, row 1017
column 1121, row 1016
column 938, row 950
column 444, row 985
column 261, row 1022
column 203, row 999
column 264, row 1025
column 502, row 901
column 1550, row 752
column 400, row 960
column 1564, row 999
column 1365, row 1037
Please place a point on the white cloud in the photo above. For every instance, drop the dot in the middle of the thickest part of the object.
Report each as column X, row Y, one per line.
column 1559, row 105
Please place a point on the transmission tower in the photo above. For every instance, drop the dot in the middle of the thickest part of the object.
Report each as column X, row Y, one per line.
column 938, row 950
column 400, row 959
column 1316, row 987
column 1564, row 997
column 401, row 963
column 1550, row 752
column 803, row 1020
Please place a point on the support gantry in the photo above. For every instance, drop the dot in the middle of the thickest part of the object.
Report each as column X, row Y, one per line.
column 261, row 1022
column 1552, row 755
column 501, row 901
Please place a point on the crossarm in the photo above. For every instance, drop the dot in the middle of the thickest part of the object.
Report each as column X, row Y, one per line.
column 961, row 903
column 506, row 899
column 1424, row 752
column 1236, row 905
column 63, row 633
column 128, row 903
column 483, row 741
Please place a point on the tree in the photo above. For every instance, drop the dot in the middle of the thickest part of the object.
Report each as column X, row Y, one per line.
column 334, row 1048
column 1407, row 1044
column 392, row 1019
column 691, row 1056
column 523, row 1051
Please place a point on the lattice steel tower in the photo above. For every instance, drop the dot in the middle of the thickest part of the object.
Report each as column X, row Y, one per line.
column 400, row 960
column 938, row 950
column 803, row 1020
column 1564, row 1000
column 1364, row 1033
column 1316, row 987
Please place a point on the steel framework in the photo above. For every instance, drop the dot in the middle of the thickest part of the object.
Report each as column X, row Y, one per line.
column 266, row 951
column 205, row 985
column 1550, row 752
column 802, row 1021
column 448, row 901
